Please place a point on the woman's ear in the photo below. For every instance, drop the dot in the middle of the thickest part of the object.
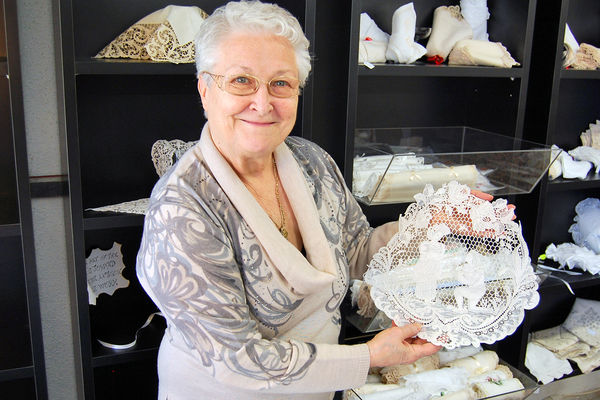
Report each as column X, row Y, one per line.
column 202, row 86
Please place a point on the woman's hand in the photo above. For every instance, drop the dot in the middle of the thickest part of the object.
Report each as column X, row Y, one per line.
column 489, row 197
column 397, row 345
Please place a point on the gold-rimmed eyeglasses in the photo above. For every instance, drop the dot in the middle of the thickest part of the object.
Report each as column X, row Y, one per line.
column 246, row 84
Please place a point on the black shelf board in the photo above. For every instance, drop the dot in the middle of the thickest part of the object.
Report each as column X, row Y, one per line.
column 91, row 66
column 146, row 347
column 579, row 74
column 111, row 357
column 442, row 70
column 10, row 230
column 575, row 281
column 592, row 181
column 3, row 66
column 16, row 373
column 96, row 220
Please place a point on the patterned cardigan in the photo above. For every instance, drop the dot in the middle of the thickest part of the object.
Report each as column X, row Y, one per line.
column 248, row 315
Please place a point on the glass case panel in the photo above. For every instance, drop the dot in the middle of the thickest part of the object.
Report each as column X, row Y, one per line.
column 391, row 165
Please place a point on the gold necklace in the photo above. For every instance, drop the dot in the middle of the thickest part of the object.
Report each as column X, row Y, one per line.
column 282, row 229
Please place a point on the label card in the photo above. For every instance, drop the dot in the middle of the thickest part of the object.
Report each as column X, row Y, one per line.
column 104, row 272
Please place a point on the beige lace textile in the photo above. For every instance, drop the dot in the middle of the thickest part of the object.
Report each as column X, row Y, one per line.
column 166, row 35
column 587, row 57
column 480, row 52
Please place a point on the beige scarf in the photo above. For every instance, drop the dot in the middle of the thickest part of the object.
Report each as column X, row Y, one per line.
column 304, row 275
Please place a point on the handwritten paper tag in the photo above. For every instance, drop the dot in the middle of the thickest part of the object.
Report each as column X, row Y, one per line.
column 104, row 272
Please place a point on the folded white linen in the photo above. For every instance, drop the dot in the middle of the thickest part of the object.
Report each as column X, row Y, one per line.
column 476, row 13
column 574, row 256
column 448, row 355
column 572, row 168
column 544, row 365
column 401, row 47
column 479, row 363
column 501, row 373
column 587, row 153
column 435, row 382
column 488, row 389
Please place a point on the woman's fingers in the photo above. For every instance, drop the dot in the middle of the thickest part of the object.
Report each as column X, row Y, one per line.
column 489, row 197
column 512, row 207
column 482, row 195
column 397, row 345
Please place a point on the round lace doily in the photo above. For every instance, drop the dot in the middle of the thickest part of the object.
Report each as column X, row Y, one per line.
column 458, row 265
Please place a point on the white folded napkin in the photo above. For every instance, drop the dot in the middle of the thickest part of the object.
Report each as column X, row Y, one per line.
column 544, row 365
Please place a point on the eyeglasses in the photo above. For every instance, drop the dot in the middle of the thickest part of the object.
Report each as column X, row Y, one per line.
column 245, row 85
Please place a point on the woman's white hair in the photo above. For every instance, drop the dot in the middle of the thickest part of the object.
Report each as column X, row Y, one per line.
column 250, row 16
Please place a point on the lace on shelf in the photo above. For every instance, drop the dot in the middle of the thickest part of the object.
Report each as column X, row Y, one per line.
column 165, row 35
column 165, row 153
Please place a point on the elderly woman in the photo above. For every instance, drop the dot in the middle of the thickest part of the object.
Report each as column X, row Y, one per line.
column 251, row 238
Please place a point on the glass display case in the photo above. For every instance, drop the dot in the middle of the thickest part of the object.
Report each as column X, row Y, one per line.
column 529, row 386
column 391, row 165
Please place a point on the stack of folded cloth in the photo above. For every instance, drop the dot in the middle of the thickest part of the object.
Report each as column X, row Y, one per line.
column 577, row 339
column 458, row 35
column 442, row 375
column 579, row 56
column 587, row 57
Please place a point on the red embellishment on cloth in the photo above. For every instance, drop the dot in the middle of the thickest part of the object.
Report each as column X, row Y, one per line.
column 437, row 60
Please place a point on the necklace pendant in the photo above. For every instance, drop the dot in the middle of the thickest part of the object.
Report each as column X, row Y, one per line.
column 283, row 231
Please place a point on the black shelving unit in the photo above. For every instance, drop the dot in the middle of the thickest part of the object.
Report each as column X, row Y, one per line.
column 427, row 95
column 537, row 101
column 115, row 110
column 22, row 371
column 421, row 95
column 572, row 103
column 561, row 103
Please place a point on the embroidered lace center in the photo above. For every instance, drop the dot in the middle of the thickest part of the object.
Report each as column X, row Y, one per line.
column 165, row 153
column 458, row 265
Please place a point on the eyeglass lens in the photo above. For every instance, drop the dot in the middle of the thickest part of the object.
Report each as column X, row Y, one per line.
column 242, row 85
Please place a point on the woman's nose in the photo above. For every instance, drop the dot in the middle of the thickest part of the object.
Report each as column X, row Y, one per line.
column 262, row 100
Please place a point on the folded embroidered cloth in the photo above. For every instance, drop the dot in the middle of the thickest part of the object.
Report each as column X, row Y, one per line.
column 584, row 321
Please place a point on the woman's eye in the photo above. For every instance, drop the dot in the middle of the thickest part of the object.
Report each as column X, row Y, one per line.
column 281, row 83
column 242, row 80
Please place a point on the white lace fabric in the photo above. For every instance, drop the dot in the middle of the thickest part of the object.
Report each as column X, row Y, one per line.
column 458, row 265
column 584, row 321
column 165, row 153
column 139, row 206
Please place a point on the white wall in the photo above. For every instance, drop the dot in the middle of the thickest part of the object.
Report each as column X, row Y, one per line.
column 46, row 158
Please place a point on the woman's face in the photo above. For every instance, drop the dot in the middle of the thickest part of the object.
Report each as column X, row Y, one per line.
column 246, row 127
